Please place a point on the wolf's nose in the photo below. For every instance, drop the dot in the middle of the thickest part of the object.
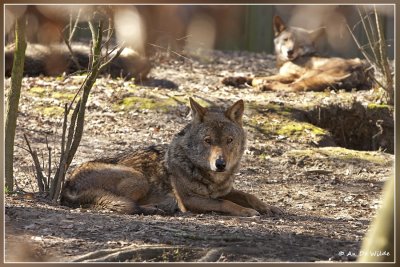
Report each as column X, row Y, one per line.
column 290, row 52
column 220, row 164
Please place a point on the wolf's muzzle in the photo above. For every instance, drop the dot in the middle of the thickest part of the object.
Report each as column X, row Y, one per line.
column 220, row 164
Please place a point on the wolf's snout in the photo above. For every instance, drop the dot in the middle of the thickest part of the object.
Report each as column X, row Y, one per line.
column 290, row 52
column 220, row 164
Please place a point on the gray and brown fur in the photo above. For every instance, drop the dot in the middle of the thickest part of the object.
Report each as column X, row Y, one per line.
column 302, row 69
column 195, row 172
column 56, row 59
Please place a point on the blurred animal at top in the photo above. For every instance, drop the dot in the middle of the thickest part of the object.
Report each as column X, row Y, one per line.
column 56, row 59
column 302, row 69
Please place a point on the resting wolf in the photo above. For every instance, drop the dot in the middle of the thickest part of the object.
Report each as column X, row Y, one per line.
column 195, row 172
column 301, row 69
column 56, row 59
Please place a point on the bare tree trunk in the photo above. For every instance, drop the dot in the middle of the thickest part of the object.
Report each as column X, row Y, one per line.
column 13, row 100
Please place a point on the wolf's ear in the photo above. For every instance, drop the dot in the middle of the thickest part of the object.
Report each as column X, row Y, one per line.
column 279, row 25
column 235, row 112
column 317, row 33
column 197, row 110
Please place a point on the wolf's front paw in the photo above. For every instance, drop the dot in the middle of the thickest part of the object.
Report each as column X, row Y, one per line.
column 247, row 212
column 151, row 210
column 265, row 86
column 270, row 210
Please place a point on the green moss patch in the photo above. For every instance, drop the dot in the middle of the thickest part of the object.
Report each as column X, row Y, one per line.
column 63, row 96
column 152, row 103
column 377, row 106
column 272, row 108
column 37, row 90
column 350, row 124
column 299, row 128
column 142, row 103
column 50, row 111
column 41, row 92
column 341, row 153
column 280, row 125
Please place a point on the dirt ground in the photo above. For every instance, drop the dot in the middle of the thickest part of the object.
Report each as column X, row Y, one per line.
column 329, row 193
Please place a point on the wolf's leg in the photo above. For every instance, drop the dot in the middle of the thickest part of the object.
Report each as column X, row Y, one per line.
column 102, row 199
column 250, row 201
column 202, row 204
column 136, row 187
column 276, row 86
column 318, row 82
column 258, row 81
column 107, row 186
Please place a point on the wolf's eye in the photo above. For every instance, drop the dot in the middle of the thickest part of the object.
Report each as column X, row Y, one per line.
column 285, row 39
column 207, row 139
column 229, row 140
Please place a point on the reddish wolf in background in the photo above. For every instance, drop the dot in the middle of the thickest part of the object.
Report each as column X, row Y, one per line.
column 301, row 69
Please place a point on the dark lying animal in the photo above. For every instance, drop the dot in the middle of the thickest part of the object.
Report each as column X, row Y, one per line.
column 55, row 59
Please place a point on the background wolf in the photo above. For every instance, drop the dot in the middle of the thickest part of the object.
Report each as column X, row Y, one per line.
column 194, row 173
column 56, row 59
column 301, row 69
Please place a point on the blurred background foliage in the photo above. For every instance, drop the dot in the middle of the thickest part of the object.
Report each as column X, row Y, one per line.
column 224, row 27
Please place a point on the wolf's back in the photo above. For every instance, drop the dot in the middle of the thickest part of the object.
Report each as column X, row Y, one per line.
column 94, row 184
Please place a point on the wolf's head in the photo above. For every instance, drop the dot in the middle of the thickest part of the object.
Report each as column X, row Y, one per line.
column 215, row 140
column 292, row 42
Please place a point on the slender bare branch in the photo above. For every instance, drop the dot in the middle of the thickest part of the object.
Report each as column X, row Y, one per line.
column 57, row 180
column 68, row 40
column 365, row 54
column 176, row 53
column 389, row 86
column 72, row 31
column 27, row 150
column 39, row 171
column 49, row 165
column 112, row 58
column 73, row 57
column 72, row 124
column 367, row 32
column 86, row 89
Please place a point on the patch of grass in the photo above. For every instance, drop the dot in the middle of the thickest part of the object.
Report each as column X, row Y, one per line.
column 377, row 106
column 342, row 154
column 63, row 96
column 271, row 108
column 41, row 91
column 37, row 90
column 7, row 191
column 133, row 102
column 349, row 154
column 280, row 125
column 264, row 156
column 51, row 111
column 299, row 128
column 152, row 103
